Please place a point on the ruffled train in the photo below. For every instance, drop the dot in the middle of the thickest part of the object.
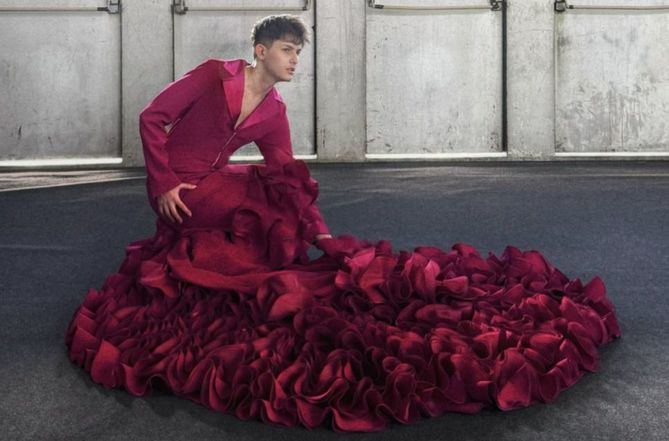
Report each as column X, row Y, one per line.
column 240, row 320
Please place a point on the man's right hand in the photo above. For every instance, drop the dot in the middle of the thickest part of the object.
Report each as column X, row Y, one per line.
column 170, row 200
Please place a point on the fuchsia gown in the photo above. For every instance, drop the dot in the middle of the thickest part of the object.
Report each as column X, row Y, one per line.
column 228, row 310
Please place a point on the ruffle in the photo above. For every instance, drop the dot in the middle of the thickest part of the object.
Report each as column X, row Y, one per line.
column 243, row 323
column 259, row 209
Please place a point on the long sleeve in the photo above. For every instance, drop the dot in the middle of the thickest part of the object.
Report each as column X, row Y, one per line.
column 276, row 148
column 167, row 108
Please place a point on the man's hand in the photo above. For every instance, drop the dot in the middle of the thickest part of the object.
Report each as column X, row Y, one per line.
column 170, row 200
column 342, row 247
column 322, row 236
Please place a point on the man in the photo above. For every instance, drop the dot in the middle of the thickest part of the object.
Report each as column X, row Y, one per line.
column 216, row 108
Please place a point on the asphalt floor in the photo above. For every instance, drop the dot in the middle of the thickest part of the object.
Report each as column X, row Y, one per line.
column 63, row 233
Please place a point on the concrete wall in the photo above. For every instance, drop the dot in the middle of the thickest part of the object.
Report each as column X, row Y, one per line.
column 407, row 85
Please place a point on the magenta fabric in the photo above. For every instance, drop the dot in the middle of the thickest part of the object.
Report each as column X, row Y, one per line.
column 227, row 309
column 201, row 109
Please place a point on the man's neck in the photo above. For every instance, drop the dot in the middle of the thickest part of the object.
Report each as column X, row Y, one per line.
column 256, row 82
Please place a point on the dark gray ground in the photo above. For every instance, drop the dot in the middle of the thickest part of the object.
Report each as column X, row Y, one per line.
column 595, row 218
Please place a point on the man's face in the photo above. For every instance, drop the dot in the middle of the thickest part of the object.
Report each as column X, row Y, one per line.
column 281, row 59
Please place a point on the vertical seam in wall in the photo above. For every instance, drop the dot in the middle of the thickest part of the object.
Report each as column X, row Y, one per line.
column 364, row 83
column 554, row 67
column 505, row 147
column 173, row 43
column 315, row 57
column 121, row 148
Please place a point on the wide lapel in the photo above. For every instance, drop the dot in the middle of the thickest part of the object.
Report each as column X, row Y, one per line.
column 268, row 108
column 233, row 90
column 232, row 74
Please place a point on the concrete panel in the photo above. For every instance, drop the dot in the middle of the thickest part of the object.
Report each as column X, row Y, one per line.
column 530, row 80
column 340, row 80
column 612, row 81
column 148, row 65
column 433, row 79
column 226, row 34
column 60, row 82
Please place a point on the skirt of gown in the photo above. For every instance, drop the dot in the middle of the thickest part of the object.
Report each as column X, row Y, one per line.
column 227, row 310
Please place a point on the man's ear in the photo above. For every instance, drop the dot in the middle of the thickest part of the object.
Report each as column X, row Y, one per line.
column 260, row 50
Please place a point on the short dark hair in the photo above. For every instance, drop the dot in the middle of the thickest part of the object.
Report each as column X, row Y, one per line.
column 279, row 27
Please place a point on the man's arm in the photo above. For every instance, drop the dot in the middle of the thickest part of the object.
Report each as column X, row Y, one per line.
column 277, row 150
column 166, row 108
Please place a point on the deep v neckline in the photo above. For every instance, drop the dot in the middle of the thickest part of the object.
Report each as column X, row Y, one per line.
column 242, row 86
